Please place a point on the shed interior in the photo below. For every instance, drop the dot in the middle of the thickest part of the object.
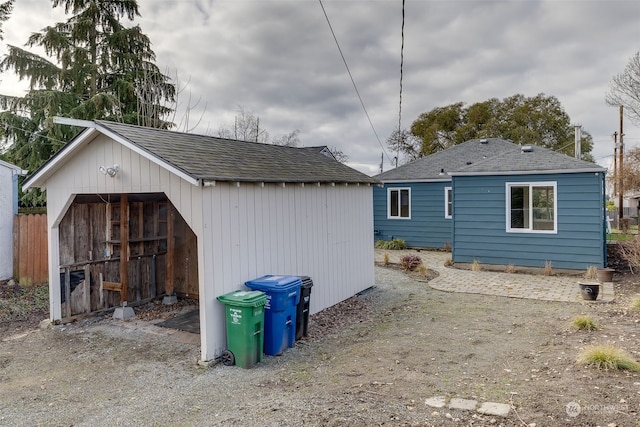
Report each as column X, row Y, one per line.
column 117, row 248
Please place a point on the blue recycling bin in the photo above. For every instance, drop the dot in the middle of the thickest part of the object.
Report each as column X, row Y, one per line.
column 283, row 296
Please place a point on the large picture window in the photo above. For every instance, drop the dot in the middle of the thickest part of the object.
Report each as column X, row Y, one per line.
column 399, row 203
column 448, row 203
column 531, row 207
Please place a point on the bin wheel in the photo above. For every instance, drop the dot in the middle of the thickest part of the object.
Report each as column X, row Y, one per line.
column 227, row 358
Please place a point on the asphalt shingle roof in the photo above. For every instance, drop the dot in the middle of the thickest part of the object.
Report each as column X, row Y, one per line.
column 531, row 159
column 453, row 159
column 211, row 158
column 486, row 156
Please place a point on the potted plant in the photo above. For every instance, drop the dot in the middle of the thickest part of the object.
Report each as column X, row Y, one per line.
column 589, row 290
column 605, row 275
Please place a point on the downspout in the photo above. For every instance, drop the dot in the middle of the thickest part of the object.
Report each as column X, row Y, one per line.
column 14, row 178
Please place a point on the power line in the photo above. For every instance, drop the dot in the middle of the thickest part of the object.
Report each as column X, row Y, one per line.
column 352, row 80
column 401, row 70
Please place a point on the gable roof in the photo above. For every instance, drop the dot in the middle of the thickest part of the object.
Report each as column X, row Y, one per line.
column 199, row 158
column 438, row 166
column 529, row 159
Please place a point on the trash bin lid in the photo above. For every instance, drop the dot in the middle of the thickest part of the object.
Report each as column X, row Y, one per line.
column 244, row 298
column 273, row 283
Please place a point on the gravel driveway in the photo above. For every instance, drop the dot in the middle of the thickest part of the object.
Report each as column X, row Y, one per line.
column 373, row 360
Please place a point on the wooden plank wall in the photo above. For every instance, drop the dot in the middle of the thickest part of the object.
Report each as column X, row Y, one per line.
column 30, row 249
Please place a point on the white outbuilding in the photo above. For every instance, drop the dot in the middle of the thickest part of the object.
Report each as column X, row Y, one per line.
column 135, row 213
column 8, row 209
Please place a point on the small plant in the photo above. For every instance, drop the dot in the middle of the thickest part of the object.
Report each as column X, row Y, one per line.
column 448, row 262
column 422, row 270
column 410, row 262
column 395, row 244
column 510, row 268
column 385, row 259
column 591, row 272
column 584, row 322
column 447, row 247
column 635, row 303
column 548, row 268
column 608, row 357
column 475, row 265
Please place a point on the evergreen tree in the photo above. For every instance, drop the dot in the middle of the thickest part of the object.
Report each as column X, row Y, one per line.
column 95, row 68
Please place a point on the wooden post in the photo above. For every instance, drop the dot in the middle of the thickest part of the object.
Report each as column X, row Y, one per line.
column 621, row 172
column 124, row 246
column 67, row 292
column 87, row 288
column 170, row 250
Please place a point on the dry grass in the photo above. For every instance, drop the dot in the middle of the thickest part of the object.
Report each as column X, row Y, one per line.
column 591, row 272
column 607, row 357
column 448, row 262
column 385, row 259
column 548, row 269
column 18, row 302
column 475, row 265
column 447, row 247
column 584, row 322
column 635, row 303
column 510, row 269
column 422, row 270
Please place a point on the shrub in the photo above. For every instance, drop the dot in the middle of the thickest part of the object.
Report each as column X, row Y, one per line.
column 606, row 357
column 410, row 262
column 630, row 251
column 395, row 244
column 584, row 322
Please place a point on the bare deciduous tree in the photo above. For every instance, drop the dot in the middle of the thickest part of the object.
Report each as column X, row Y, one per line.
column 625, row 89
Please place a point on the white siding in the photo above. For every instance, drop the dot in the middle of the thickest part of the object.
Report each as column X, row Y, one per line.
column 324, row 232
column 243, row 231
column 6, row 222
column 80, row 175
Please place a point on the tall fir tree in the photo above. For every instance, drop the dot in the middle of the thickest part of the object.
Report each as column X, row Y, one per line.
column 95, row 68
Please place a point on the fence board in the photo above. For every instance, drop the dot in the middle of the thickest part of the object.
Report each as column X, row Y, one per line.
column 30, row 249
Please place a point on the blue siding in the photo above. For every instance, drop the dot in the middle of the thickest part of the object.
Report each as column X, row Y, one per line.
column 480, row 223
column 427, row 228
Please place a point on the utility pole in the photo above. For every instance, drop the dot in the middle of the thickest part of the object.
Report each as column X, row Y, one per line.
column 615, row 163
column 621, row 171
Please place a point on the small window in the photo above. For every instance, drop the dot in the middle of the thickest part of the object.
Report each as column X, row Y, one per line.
column 448, row 203
column 531, row 207
column 399, row 203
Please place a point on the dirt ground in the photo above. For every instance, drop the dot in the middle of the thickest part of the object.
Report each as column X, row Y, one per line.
column 372, row 360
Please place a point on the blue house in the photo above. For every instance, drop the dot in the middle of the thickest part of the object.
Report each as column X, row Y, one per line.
column 496, row 202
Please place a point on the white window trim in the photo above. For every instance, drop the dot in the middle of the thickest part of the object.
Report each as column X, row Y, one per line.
column 446, row 202
column 399, row 189
column 531, row 185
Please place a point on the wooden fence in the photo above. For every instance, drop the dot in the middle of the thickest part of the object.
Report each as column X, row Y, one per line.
column 30, row 249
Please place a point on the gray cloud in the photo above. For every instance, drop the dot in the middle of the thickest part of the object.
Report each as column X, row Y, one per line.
column 278, row 59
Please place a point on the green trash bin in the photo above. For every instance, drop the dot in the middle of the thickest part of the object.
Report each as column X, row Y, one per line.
column 245, row 327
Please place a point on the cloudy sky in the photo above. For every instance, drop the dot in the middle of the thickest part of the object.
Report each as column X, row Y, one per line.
column 278, row 59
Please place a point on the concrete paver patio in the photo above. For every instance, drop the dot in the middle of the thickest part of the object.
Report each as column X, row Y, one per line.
column 514, row 285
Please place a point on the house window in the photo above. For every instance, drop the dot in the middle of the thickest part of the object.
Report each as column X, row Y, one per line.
column 399, row 203
column 531, row 207
column 448, row 202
